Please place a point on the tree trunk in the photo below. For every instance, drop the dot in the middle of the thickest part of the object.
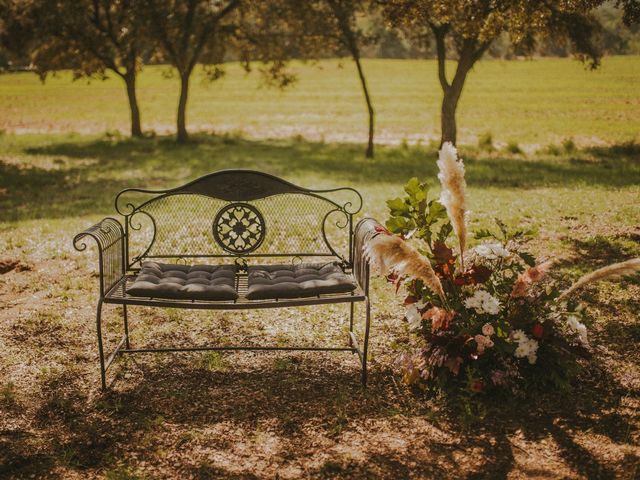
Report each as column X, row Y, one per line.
column 183, row 136
column 367, row 97
column 130, row 80
column 448, row 117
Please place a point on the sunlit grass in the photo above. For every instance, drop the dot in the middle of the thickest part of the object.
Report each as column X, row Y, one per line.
column 532, row 102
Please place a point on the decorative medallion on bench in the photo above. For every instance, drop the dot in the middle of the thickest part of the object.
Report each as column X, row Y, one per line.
column 239, row 228
column 233, row 240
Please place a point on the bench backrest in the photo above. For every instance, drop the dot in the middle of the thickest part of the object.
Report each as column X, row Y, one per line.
column 238, row 214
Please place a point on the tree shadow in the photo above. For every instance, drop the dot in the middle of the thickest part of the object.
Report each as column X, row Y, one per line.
column 92, row 171
column 600, row 250
column 93, row 432
column 590, row 408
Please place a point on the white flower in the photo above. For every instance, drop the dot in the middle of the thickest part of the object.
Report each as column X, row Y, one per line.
column 579, row 328
column 527, row 347
column 492, row 251
column 483, row 302
column 414, row 317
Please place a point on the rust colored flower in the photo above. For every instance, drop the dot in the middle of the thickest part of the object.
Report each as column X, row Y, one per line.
column 476, row 275
column 381, row 229
column 442, row 254
column 521, row 287
column 409, row 299
column 477, row 386
column 480, row 273
column 440, row 318
column 528, row 278
column 537, row 330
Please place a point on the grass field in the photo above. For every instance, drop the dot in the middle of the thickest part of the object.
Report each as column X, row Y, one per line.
column 530, row 102
column 246, row 415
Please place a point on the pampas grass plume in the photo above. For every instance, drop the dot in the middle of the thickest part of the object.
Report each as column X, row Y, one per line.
column 454, row 188
column 610, row 272
column 391, row 254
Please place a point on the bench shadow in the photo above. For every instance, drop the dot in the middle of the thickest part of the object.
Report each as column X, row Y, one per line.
column 90, row 172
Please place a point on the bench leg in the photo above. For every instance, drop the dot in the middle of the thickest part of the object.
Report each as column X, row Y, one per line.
column 126, row 326
column 103, row 372
column 365, row 347
column 352, row 307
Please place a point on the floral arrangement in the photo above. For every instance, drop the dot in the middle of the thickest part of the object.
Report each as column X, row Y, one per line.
column 484, row 318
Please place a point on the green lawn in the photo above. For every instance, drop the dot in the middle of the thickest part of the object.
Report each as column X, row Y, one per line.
column 298, row 415
column 532, row 102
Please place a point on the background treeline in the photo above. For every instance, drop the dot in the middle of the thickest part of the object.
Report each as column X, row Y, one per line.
column 100, row 38
column 615, row 38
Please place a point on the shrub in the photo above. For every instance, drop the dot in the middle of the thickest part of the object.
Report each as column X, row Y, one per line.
column 485, row 141
column 552, row 149
column 513, row 147
column 568, row 145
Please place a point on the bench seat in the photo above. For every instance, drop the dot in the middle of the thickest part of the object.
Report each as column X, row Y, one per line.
column 118, row 295
column 224, row 282
column 185, row 282
column 296, row 281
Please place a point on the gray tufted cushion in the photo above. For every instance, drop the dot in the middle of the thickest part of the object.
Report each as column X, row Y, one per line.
column 185, row 282
column 294, row 281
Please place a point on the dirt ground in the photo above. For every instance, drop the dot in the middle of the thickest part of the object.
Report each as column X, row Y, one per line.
column 257, row 415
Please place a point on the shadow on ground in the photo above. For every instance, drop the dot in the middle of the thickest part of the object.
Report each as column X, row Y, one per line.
column 174, row 406
column 88, row 173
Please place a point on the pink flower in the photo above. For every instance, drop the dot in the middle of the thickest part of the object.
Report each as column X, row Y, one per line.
column 488, row 330
column 483, row 342
column 498, row 377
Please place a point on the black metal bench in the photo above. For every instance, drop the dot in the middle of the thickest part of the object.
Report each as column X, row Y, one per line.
column 234, row 239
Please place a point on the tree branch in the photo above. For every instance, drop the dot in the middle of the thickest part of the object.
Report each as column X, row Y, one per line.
column 439, row 32
column 186, row 29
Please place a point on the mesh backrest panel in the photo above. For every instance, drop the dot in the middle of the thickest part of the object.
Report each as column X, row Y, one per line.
column 288, row 224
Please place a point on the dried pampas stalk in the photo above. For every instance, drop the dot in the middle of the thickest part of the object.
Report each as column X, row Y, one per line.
column 391, row 254
column 610, row 272
column 453, row 195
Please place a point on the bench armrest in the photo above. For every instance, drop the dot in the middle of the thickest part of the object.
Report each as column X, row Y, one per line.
column 110, row 239
column 365, row 230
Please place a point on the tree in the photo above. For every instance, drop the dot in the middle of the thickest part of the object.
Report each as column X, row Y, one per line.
column 186, row 30
column 345, row 12
column 470, row 26
column 329, row 27
column 92, row 37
